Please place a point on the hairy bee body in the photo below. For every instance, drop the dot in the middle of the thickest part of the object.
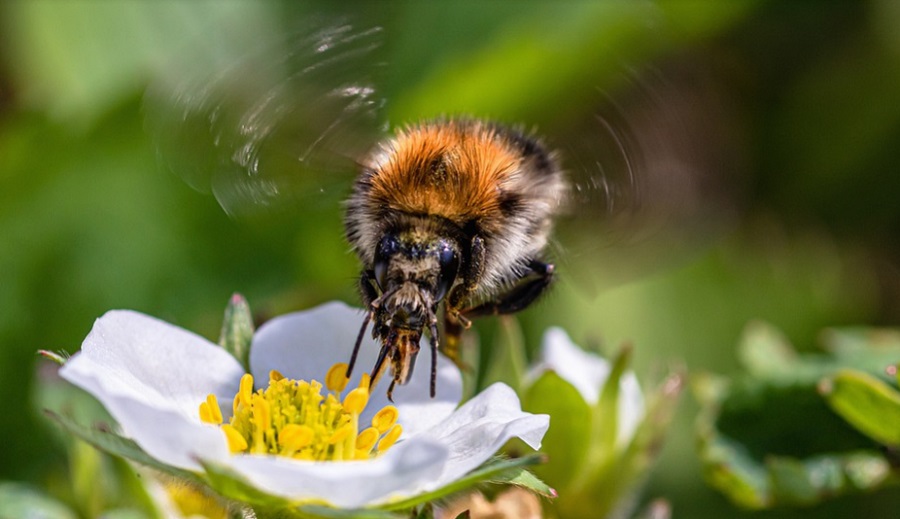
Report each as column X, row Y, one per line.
column 455, row 211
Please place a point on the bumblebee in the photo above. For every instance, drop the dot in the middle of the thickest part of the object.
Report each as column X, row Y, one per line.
column 454, row 211
column 451, row 215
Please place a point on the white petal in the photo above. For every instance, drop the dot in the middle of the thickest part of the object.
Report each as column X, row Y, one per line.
column 631, row 407
column 481, row 426
column 587, row 373
column 304, row 345
column 151, row 377
column 398, row 473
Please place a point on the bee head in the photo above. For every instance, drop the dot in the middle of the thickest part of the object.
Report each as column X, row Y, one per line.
column 418, row 271
column 414, row 272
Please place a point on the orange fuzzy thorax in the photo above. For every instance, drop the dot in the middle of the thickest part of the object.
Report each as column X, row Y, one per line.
column 456, row 171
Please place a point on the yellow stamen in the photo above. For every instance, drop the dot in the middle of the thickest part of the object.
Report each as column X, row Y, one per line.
column 356, row 400
column 259, row 409
column 294, row 437
column 246, row 389
column 336, row 379
column 213, row 403
column 294, row 418
column 206, row 414
column 367, row 439
column 341, row 434
column 236, row 441
column 385, row 419
column 365, row 381
column 261, row 414
column 210, row 412
column 390, row 438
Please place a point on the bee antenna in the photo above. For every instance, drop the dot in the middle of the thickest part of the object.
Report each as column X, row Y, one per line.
column 359, row 339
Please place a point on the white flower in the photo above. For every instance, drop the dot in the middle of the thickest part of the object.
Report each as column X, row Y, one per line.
column 151, row 376
column 587, row 373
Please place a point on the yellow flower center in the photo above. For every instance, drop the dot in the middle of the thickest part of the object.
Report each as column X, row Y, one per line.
column 293, row 418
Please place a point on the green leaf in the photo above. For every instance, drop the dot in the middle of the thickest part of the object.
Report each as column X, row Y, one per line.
column 525, row 479
column 765, row 351
column 569, row 436
column 326, row 512
column 767, row 354
column 809, row 481
column 769, row 438
column 97, row 481
column 425, row 512
column 867, row 403
column 853, row 341
column 727, row 467
column 18, row 500
column 87, row 476
column 498, row 471
column 792, row 485
column 104, row 439
column 237, row 330
column 866, row 349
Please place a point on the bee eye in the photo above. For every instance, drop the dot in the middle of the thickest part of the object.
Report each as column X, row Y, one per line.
column 449, row 263
column 387, row 247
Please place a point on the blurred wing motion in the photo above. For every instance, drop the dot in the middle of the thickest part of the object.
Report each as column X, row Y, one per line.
column 655, row 171
column 283, row 124
column 653, row 165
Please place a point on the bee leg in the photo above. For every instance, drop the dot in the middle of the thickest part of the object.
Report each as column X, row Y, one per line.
column 359, row 338
column 434, row 353
column 390, row 391
column 367, row 287
column 387, row 349
column 369, row 295
column 473, row 270
column 454, row 325
column 521, row 295
column 454, row 321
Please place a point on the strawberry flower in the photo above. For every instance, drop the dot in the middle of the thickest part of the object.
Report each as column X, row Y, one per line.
column 293, row 429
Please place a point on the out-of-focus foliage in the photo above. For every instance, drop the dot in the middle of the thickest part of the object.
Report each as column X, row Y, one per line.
column 868, row 403
column 89, row 222
column 768, row 438
column 596, row 472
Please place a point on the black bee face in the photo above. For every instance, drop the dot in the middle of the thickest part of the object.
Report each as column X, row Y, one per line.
column 412, row 274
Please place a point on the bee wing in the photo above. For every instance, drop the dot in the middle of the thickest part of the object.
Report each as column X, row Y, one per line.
column 283, row 124
column 655, row 174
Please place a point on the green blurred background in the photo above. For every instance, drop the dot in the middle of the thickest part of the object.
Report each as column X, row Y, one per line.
column 90, row 221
